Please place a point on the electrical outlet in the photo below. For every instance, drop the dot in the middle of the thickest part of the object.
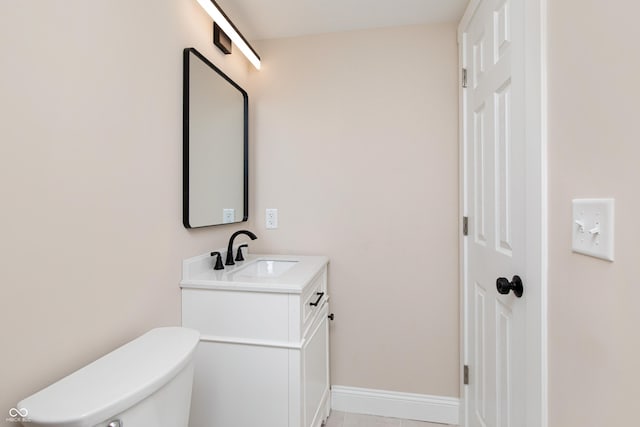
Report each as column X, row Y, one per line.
column 271, row 218
column 228, row 216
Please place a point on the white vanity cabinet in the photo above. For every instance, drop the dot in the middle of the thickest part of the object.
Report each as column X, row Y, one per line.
column 263, row 357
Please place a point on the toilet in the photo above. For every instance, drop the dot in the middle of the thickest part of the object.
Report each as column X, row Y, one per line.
column 146, row 382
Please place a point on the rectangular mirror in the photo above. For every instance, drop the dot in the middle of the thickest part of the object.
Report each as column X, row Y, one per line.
column 215, row 145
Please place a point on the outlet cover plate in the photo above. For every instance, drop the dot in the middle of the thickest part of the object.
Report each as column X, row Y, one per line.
column 593, row 227
column 271, row 219
column 228, row 215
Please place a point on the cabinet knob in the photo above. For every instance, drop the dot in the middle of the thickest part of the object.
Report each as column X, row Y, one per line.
column 331, row 316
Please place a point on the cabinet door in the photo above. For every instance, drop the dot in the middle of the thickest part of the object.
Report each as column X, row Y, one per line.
column 240, row 386
column 315, row 380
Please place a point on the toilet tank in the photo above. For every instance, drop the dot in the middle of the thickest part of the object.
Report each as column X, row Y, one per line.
column 146, row 382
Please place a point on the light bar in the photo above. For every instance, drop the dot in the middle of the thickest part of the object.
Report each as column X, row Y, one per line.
column 219, row 17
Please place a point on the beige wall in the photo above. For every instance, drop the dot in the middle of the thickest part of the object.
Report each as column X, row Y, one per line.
column 91, row 234
column 90, row 172
column 356, row 145
column 594, row 151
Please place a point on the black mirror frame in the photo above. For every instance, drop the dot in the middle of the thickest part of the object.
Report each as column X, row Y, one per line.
column 185, row 138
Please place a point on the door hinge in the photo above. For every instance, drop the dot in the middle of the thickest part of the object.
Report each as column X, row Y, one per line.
column 465, row 377
column 464, row 77
column 465, row 225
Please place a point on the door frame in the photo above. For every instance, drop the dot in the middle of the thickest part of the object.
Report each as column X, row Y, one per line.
column 536, row 199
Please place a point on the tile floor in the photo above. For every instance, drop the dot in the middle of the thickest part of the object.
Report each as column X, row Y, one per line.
column 343, row 419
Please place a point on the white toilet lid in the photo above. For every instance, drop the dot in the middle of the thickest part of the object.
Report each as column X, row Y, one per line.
column 116, row 381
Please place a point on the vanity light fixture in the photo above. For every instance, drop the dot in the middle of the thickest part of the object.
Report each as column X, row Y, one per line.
column 229, row 31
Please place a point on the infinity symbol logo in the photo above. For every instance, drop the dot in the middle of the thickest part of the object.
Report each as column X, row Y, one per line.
column 15, row 412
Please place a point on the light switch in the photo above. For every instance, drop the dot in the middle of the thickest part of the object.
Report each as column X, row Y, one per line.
column 593, row 227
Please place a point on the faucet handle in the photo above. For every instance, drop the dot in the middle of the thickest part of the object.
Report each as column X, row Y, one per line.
column 218, row 265
column 239, row 256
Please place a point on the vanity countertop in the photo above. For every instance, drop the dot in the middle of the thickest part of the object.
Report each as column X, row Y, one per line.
column 198, row 273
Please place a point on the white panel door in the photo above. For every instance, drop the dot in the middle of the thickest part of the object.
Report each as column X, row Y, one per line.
column 494, row 112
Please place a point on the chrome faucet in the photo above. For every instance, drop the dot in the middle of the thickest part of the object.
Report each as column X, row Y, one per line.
column 230, row 260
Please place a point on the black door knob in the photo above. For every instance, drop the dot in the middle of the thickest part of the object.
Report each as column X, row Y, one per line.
column 504, row 286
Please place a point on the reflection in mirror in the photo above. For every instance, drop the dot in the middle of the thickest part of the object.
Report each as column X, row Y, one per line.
column 214, row 145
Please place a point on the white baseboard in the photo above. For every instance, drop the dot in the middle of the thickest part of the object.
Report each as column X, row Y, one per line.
column 421, row 407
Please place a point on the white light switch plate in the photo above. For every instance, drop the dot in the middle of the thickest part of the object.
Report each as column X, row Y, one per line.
column 593, row 227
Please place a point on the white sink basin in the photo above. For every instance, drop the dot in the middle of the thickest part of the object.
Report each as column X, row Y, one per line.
column 265, row 268
column 259, row 273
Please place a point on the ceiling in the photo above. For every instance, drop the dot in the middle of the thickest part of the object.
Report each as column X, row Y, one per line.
column 268, row 19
